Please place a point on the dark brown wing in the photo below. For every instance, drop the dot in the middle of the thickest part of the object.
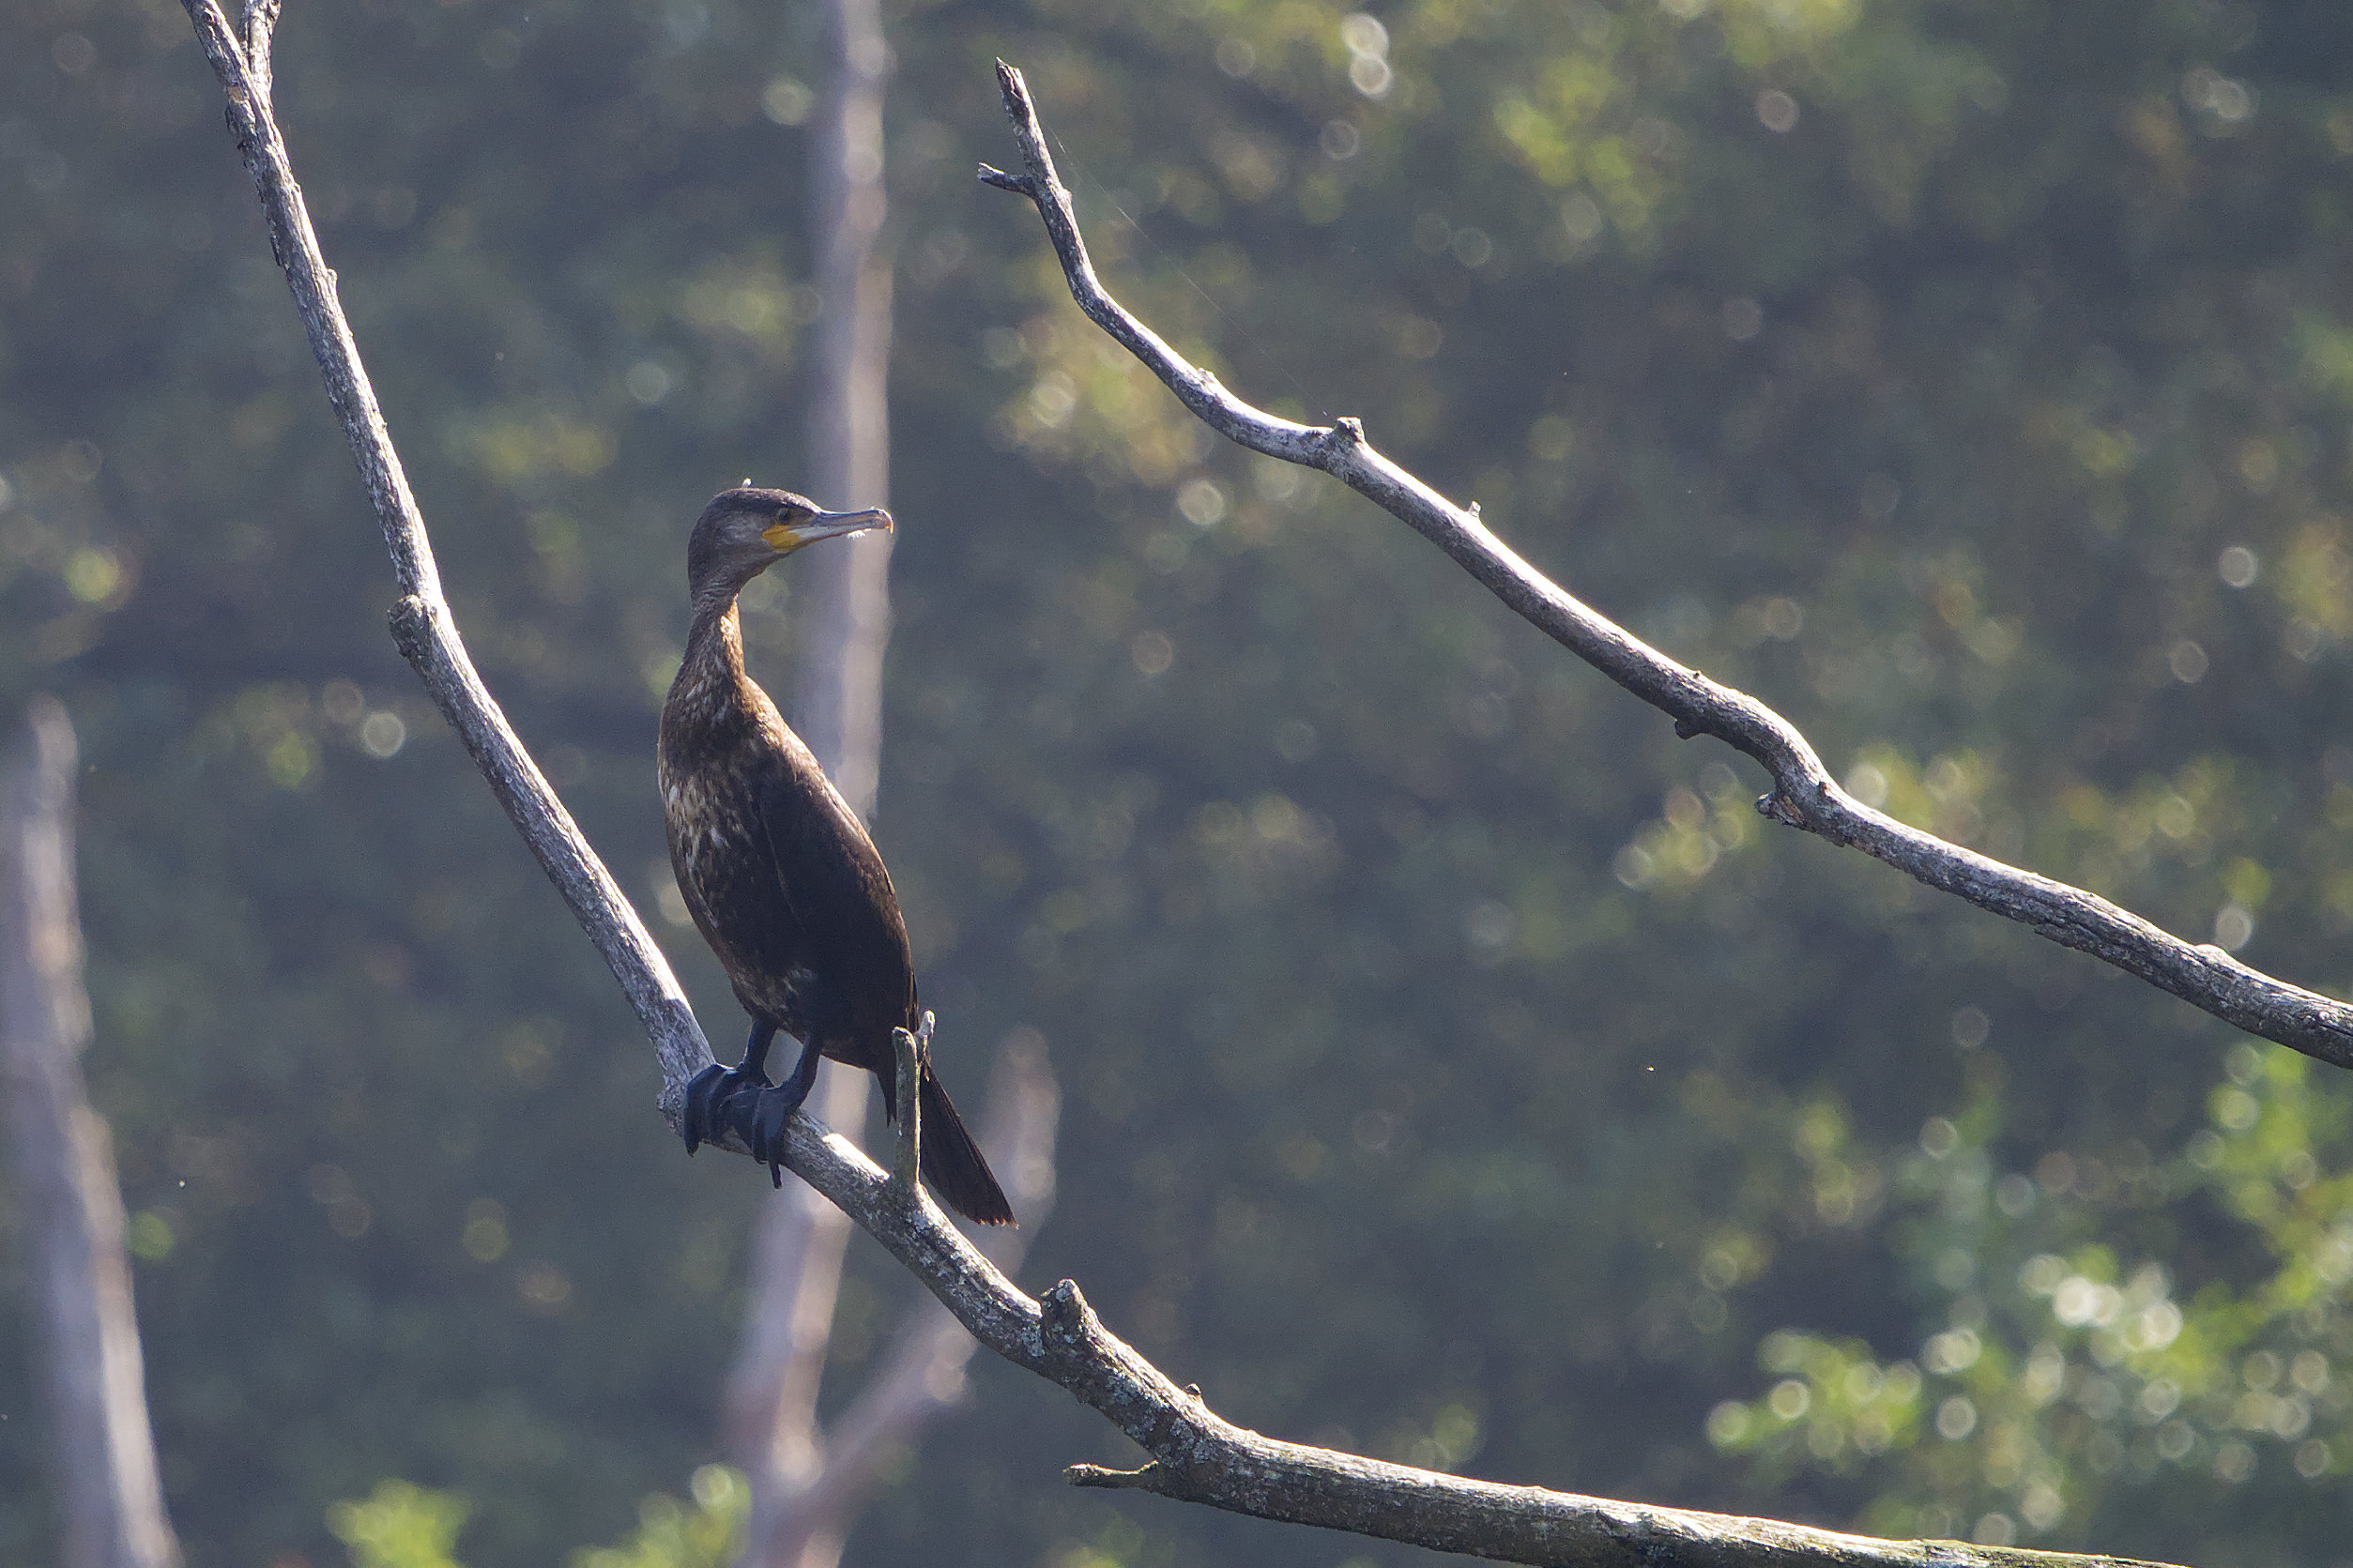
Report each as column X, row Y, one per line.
column 739, row 902
column 846, row 913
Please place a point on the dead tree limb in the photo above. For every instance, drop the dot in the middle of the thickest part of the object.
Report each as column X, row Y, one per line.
column 1194, row 1455
column 1804, row 795
column 422, row 625
column 73, row 1205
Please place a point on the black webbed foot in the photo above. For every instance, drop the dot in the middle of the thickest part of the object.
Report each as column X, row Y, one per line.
column 740, row 1100
column 710, row 1093
column 707, row 1098
column 764, row 1117
column 763, row 1114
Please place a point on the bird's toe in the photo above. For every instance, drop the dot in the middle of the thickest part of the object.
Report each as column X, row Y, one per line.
column 699, row 1120
column 769, row 1111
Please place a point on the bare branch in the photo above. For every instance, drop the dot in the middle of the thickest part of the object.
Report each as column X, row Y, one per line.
column 260, row 23
column 421, row 622
column 911, row 1049
column 73, row 1205
column 1194, row 1455
column 1804, row 794
column 1197, row 1457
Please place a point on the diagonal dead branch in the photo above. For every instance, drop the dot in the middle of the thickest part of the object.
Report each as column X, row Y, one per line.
column 260, row 23
column 1804, row 794
column 421, row 622
column 1197, row 1456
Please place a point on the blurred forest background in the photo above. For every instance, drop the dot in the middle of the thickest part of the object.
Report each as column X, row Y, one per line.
column 1457, row 1068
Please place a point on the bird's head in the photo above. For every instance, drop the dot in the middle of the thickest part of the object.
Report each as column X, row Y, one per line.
column 744, row 531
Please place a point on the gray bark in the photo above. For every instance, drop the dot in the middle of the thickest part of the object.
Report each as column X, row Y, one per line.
column 64, row 1162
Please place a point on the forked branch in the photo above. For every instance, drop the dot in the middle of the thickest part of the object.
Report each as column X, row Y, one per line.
column 1804, row 794
column 1194, row 1455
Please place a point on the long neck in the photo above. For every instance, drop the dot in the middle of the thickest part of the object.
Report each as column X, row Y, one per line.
column 717, row 629
column 712, row 680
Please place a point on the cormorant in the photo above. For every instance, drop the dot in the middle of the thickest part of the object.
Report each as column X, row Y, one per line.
column 779, row 874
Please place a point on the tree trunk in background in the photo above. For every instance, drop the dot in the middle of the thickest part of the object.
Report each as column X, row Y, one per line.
column 841, row 597
column 73, row 1208
column 920, row 1377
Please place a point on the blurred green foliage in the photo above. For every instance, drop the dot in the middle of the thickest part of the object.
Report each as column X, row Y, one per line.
column 1458, row 1069
column 703, row 1532
column 400, row 1526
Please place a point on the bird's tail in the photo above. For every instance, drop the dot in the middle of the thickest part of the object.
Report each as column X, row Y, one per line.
column 953, row 1163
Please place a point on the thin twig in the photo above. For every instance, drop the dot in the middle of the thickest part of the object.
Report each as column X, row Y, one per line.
column 1804, row 794
column 911, row 1049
